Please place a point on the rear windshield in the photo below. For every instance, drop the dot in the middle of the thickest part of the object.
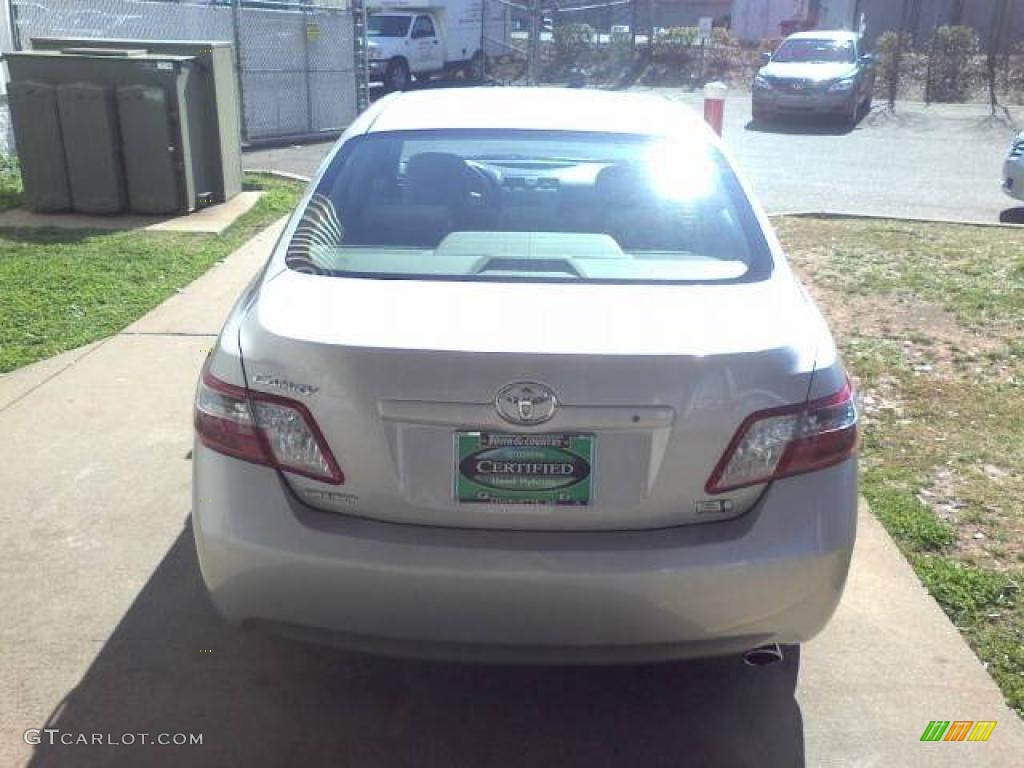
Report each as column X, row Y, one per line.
column 535, row 206
column 821, row 51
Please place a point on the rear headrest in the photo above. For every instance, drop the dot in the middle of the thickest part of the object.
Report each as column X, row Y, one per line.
column 437, row 178
column 621, row 184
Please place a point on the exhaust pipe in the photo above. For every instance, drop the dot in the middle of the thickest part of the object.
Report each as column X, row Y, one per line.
column 763, row 655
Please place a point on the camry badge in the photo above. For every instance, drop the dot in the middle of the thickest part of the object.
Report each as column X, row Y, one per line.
column 526, row 402
column 291, row 387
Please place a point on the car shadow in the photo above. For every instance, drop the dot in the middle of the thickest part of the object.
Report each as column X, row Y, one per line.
column 806, row 126
column 1012, row 216
column 173, row 666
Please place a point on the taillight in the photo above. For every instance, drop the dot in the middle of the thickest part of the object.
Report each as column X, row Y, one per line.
column 263, row 429
column 788, row 441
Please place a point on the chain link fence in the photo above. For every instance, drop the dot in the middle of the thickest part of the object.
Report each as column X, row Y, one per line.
column 619, row 43
column 296, row 62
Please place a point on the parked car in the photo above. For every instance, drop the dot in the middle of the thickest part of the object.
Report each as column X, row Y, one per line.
column 1013, row 169
column 815, row 73
column 423, row 39
column 527, row 377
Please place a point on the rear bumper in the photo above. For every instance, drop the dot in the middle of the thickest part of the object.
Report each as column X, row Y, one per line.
column 774, row 575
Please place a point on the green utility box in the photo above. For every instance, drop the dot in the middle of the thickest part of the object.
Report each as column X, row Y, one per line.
column 37, row 137
column 137, row 128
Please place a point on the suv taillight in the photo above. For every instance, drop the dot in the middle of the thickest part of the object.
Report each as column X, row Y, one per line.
column 263, row 429
column 788, row 441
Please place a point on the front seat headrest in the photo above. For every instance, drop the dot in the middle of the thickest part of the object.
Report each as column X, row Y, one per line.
column 437, row 178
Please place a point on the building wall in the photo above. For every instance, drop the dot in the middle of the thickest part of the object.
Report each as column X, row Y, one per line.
column 686, row 13
column 924, row 16
column 754, row 20
column 837, row 14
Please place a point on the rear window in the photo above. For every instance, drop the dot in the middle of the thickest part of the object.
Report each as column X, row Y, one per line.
column 535, row 206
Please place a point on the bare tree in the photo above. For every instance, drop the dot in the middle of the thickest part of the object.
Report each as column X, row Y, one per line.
column 897, row 55
column 956, row 13
column 995, row 44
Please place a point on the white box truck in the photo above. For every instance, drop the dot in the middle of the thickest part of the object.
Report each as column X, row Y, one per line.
column 421, row 38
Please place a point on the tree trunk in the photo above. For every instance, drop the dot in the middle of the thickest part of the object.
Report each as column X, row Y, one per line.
column 897, row 56
column 956, row 14
column 995, row 43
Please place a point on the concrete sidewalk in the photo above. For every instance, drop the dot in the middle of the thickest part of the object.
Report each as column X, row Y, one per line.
column 107, row 628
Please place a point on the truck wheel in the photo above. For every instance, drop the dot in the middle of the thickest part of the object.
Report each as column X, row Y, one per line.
column 397, row 76
column 476, row 69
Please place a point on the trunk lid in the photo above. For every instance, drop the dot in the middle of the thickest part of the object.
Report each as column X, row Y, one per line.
column 657, row 377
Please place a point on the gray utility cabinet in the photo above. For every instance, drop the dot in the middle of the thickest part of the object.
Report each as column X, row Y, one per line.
column 92, row 147
column 136, row 129
column 44, row 174
column 215, row 117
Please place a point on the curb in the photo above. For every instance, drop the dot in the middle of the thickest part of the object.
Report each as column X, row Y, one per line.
column 280, row 174
column 890, row 217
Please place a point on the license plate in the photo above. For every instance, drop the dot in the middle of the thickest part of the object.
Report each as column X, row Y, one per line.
column 494, row 468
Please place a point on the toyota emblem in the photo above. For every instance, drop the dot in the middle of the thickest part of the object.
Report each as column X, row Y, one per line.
column 526, row 402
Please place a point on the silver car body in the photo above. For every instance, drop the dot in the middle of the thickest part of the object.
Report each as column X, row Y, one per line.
column 663, row 376
column 1013, row 169
column 815, row 87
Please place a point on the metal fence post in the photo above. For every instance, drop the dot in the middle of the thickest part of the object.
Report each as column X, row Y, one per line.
column 236, row 24
column 12, row 17
column 533, row 44
column 483, row 38
column 359, row 48
column 307, row 74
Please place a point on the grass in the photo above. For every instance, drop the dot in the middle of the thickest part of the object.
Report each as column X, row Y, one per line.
column 930, row 320
column 10, row 182
column 60, row 289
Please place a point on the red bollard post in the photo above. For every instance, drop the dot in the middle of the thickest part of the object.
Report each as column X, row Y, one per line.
column 714, row 105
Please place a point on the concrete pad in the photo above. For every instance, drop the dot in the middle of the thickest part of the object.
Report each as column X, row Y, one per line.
column 17, row 383
column 888, row 663
column 107, row 628
column 213, row 220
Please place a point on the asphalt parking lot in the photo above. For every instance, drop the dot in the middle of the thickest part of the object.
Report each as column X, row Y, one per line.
column 107, row 629
column 937, row 162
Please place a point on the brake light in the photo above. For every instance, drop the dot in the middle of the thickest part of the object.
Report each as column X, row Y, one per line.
column 788, row 441
column 264, row 429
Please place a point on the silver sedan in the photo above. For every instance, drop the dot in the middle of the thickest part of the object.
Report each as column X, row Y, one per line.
column 527, row 378
column 815, row 73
